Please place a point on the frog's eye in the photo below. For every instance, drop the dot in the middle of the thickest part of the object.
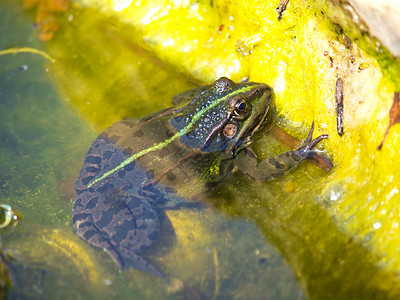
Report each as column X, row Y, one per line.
column 241, row 107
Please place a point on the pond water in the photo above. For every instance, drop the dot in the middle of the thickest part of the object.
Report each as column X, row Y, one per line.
column 43, row 142
column 254, row 241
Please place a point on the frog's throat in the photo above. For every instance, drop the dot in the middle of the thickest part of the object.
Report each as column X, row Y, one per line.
column 181, row 132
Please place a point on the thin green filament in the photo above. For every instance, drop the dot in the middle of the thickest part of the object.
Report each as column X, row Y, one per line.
column 171, row 139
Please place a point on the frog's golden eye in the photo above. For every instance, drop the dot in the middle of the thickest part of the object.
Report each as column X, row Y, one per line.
column 241, row 107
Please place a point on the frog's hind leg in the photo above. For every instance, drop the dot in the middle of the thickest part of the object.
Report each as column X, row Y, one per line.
column 123, row 260
column 122, row 231
column 87, row 230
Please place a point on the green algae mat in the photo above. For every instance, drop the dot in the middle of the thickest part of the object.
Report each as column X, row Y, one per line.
column 308, row 235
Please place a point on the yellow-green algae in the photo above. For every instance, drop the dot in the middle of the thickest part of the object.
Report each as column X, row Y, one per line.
column 301, row 57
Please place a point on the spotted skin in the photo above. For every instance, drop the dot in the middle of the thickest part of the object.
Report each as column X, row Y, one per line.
column 121, row 213
column 136, row 169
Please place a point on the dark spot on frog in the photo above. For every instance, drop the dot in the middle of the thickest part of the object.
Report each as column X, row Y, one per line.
column 262, row 260
column 80, row 191
column 171, row 176
column 93, row 159
column 128, row 151
column 164, row 152
column 105, row 187
column 92, row 169
column 105, row 219
column 130, row 166
column 276, row 164
column 122, row 231
column 81, row 216
column 138, row 133
column 107, row 154
column 92, row 203
column 170, row 133
column 86, row 180
column 121, row 173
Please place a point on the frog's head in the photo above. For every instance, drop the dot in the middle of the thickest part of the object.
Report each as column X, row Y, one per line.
column 223, row 117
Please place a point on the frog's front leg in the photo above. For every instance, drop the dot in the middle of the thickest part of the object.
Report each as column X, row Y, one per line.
column 277, row 166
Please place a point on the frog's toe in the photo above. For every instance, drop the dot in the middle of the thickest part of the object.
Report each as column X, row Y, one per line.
column 306, row 149
column 133, row 260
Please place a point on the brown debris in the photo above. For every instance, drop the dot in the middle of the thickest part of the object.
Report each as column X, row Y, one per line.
column 339, row 106
column 394, row 116
column 45, row 15
column 281, row 8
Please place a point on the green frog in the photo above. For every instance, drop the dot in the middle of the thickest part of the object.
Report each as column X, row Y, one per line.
column 136, row 169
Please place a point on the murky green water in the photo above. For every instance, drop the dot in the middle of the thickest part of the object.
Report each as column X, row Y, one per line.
column 260, row 241
column 43, row 140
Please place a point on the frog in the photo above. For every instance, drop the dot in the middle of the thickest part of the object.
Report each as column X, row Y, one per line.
column 137, row 169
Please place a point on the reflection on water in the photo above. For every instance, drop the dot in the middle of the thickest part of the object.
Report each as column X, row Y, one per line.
column 43, row 142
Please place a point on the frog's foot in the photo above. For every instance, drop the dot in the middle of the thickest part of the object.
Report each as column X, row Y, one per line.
column 124, row 258
column 124, row 227
column 306, row 148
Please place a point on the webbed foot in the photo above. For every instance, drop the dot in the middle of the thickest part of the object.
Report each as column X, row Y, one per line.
column 306, row 148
